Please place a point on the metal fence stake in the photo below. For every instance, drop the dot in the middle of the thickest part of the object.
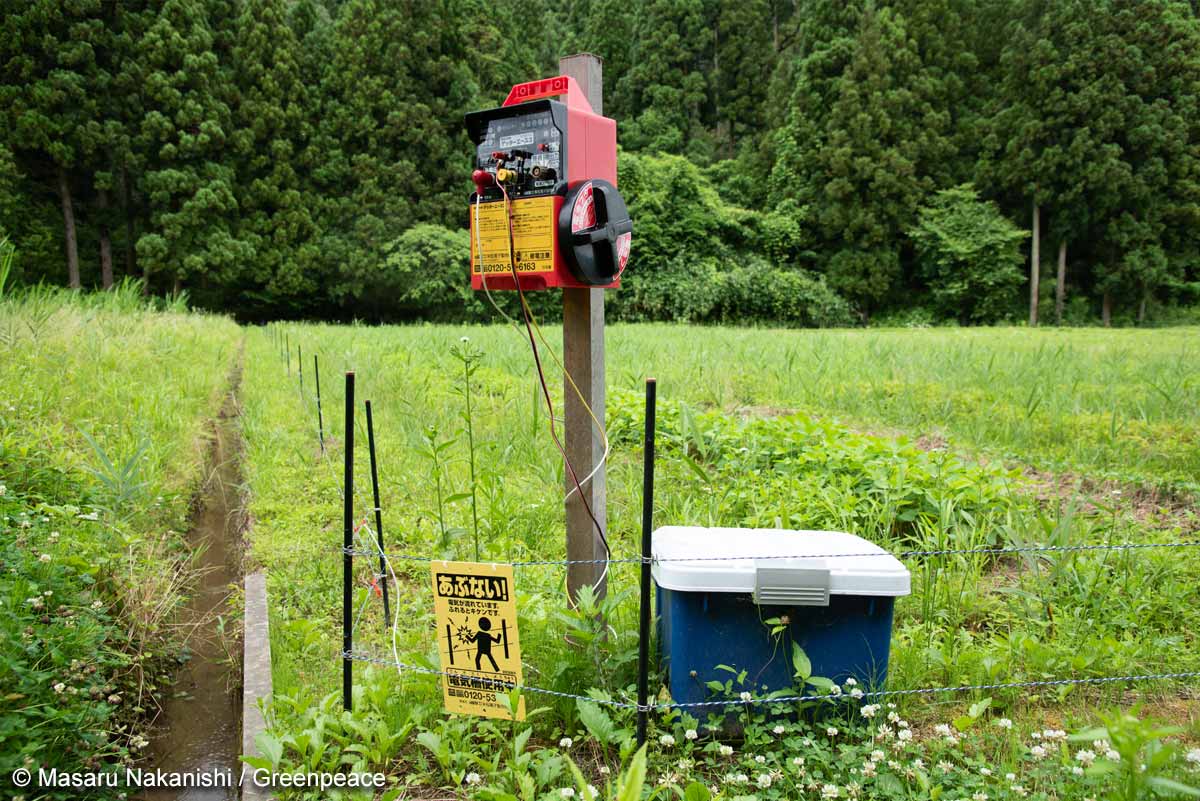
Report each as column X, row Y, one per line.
column 320, row 418
column 647, row 527
column 347, row 558
column 383, row 572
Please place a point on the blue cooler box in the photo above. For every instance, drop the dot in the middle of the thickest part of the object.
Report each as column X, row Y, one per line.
column 837, row 590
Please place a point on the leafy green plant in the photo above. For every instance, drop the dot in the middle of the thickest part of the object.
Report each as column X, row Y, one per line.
column 1136, row 754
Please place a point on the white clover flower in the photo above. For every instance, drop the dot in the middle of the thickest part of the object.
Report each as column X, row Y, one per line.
column 44, row 557
column 904, row 735
column 472, row 778
column 1100, row 746
column 725, row 750
column 566, row 742
column 567, row 792
column 903, row 724
column 604, row 771
column 667, row 740
column 851, row 682
column 1078, row 771
column 945, row 767
column 869, row 710
column 1054, row 734
column 1037, row 752
column 798, row 761
column 835, row 691
column 763, row 780
column 980, row 797
column 1010, row 777
column 741, row 778
column 918, row 763
column 1019, row 790
column 690, row 734
column 88, row 516
column 892, row 716
column 1112, row 756
column 942, row 729
column 58, row 688
column 1193, row 756
column 3, row 490
column 1004, row 723
column 592, row 792
column 830, row 791
column 985, row 772
column 779, row 730
column 891, row 706
column 1037, row 735
column 832, row 731
column 807, row 742
column 1085, row 757
column 856, row 693
column 54, row 535
column 878, row 756
column 745, row 696
column 97, row 604
column 868, row 769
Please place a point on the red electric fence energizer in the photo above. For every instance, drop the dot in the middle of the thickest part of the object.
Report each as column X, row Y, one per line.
column 552, row 166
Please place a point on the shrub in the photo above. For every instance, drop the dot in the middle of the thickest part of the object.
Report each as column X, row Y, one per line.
column 970, row 255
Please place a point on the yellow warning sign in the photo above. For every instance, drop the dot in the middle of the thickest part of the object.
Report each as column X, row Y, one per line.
column 478, row 644
column 533, row 236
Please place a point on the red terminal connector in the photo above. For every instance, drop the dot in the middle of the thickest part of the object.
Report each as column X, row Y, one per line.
column 483, row 179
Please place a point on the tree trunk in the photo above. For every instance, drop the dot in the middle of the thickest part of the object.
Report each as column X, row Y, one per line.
column 178, row 287
column 1035, row 266
column 1106, row 309
column 127, row 192
column 64, row 191
column 106, row 265
column 1141, row 318
column 1060, row 286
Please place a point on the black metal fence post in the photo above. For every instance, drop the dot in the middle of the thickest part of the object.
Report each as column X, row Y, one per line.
column 300, row 368
column 383, row 571
column 320, row 418
column 287, row 351
column 647, row 527
column 347, row 557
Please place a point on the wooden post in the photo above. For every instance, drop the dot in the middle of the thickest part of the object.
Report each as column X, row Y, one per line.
column 583, row 357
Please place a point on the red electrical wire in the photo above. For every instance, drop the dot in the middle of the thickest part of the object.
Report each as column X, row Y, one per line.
column 537, row 360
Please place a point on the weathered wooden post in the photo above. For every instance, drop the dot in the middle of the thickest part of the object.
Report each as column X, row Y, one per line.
column 583, row 358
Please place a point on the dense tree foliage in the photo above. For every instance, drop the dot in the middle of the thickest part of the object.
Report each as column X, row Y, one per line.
column 813, row 162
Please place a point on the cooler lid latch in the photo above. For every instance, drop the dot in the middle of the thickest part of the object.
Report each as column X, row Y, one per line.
column 796, row 586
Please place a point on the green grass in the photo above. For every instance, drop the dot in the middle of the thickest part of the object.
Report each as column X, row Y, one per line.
column 1093, row 404
column 104, row 411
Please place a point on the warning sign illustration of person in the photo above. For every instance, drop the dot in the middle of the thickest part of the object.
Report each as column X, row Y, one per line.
column 480, row 651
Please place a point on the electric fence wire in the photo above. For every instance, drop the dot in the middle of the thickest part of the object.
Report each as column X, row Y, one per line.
column 998, row 551
column 360, row 656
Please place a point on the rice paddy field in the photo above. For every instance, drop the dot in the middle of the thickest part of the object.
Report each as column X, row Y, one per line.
column 915, row 439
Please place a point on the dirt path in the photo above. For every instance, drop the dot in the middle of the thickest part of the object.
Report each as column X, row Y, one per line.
column 199, row 728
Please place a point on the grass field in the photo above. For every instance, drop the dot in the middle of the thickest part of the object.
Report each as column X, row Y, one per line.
column 913, row 439
column 105, row 406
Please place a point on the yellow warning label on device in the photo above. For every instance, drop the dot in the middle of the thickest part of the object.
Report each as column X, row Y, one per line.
column 533, row 236
column 480, row 652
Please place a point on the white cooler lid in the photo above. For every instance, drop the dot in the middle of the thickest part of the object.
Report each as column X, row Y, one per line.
column 740, row 549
